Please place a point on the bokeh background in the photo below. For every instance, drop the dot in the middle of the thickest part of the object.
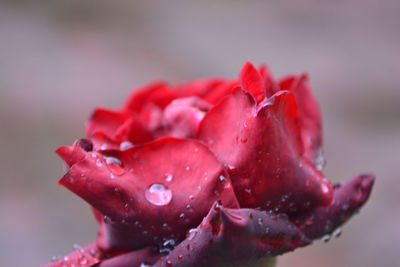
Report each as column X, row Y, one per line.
column 60, row 59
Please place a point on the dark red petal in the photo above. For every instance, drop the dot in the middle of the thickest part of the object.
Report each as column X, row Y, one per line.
column 348, row 199
column 263, row 150
column 309, row 115
column 252, row 82
column 187, row 168
column 228, row 237
column 146, row 256
column 83, row 257
column 105, row 121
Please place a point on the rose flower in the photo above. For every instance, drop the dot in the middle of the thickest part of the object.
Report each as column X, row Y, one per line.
column 208, row 173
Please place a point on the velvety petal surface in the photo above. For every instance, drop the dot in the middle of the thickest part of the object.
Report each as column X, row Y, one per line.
column 309, row 116
column 261, row 147
column 251, row 81
column 348, row 199
column 151, row 192
column 147, row 256
column 231, row 237
column 81, row 257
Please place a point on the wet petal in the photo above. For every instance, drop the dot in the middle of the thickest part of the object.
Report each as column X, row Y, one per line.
column 105, row 121
column 229, row 237
column 151, row 192
column 182, row 116
column 82, row 256
column 348, row 199
column 252, row 82
column 147, row 256
column 262, row 149
column 309, row 115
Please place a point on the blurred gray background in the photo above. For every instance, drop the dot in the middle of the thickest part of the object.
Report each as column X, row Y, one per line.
column 60, row 59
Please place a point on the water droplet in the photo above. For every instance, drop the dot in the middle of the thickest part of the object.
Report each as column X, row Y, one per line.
column 326, row 238
column 319, row 160
column 158, row 194
column 125, row 145
column 115, row 165
column 103, row 147
column 180, row 257
column 191, row 197
column 107, row 219
column 187, row 168
column 324, row 188
column 167, row 246
column 337, row 232
column 145, row 265
column 191, row 233
column 126, row 207
column 169, row 177
column 99, row 163
column 222, row 178
column 182, row 215
column 243, row 140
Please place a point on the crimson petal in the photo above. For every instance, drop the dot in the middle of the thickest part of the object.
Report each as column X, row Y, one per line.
column 187, row 173
column 262, row 149
column 348, row 199
column 309, row 116
column 229, row 237
column 252, row 82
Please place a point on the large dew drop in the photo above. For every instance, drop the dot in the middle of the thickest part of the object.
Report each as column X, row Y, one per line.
column 158, row 194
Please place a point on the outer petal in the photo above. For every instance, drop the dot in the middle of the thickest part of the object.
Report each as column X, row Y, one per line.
column 348, row 199
column 193, row 175
column 83, row 257
column 231, row 237
column 309, row 116
column 263, row 150
column 135, row 258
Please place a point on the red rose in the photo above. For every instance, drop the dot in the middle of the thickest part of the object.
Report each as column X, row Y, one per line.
column 207, row 173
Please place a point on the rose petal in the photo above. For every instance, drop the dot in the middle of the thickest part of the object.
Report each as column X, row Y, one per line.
column 269, row 83
column 263, row 150
column 157, row 93
column 146, row 256
column 105, row 121
column 231, row 237
column 348, row 199
column 252, row 82
column 309, row 115
column 193, row 175
column 83, row 256
column 182, row 116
